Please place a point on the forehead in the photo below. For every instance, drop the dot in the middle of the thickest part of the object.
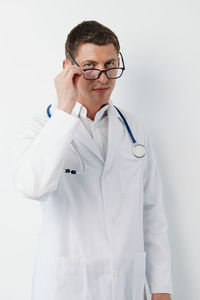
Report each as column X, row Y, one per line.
column 96, row 53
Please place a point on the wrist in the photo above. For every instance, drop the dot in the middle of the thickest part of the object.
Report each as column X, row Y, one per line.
column 68, row 109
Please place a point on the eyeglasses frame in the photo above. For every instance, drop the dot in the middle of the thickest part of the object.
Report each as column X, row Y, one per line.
column 100, row 71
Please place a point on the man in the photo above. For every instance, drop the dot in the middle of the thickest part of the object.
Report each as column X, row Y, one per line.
column 104, row 227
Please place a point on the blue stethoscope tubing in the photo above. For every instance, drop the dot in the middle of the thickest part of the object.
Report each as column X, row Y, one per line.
column 139, row 149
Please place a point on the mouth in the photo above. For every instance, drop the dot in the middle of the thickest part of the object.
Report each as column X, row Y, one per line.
column 100, row 90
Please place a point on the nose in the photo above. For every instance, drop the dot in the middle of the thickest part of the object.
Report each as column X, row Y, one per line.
column 103, row 78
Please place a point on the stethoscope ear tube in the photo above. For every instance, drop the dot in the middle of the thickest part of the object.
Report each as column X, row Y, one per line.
column 48, row 111
column 139, row 149
column 127, row 126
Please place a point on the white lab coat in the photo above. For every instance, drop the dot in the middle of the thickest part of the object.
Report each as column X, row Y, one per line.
column 103, row 229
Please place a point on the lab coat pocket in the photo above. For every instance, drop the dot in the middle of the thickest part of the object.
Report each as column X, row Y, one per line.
column 129, row 278
column 59, row 278
column 130, row 171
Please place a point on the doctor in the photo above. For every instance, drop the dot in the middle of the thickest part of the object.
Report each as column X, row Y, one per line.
column 104, row 228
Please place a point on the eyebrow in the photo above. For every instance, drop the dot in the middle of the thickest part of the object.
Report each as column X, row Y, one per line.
column 93, row 61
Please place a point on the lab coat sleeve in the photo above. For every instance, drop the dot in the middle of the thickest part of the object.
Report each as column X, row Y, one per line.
column 156, row 244
column 39, row 152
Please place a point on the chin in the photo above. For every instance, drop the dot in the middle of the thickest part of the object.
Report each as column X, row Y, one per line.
column 101, row 99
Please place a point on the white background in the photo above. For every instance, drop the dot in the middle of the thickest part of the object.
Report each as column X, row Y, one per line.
column 161, row 48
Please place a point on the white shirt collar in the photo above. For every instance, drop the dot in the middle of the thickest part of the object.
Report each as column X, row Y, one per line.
column 81, row 111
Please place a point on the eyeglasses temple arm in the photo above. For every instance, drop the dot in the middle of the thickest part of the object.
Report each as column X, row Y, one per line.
column 122, row 60
column 68, row 54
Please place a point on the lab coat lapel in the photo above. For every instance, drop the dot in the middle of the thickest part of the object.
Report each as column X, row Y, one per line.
column 115, row 134
column 82, row 135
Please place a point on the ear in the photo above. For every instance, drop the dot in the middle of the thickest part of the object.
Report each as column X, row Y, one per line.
column 66, row 62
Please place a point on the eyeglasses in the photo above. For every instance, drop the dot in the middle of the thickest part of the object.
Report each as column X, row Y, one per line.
column 93, row 74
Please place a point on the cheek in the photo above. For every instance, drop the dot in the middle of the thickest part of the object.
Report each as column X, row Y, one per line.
column 82, row 84
column 112, row 84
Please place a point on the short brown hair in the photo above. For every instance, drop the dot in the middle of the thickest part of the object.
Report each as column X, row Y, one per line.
column 90, row 32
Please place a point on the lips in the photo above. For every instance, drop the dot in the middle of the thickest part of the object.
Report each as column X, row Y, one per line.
column 101, row 90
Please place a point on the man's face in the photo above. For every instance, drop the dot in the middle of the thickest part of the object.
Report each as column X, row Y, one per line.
column 98, row 91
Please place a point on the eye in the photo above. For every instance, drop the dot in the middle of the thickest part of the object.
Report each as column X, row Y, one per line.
column 109, row 63
column 88, row 65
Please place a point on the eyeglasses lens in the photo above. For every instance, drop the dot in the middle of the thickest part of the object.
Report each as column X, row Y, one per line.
column 112, row 73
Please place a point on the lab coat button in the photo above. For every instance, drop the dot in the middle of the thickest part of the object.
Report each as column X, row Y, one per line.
column 67, row 170
column 73, row 171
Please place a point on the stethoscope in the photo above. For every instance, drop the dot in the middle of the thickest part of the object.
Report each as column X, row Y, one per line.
column 138, row 149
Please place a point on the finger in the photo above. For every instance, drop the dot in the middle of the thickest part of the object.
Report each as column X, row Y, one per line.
column 74, row 71
column 62, row 75
column 75, row 80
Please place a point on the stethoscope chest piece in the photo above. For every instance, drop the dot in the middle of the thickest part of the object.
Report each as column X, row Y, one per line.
column 139, row 150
